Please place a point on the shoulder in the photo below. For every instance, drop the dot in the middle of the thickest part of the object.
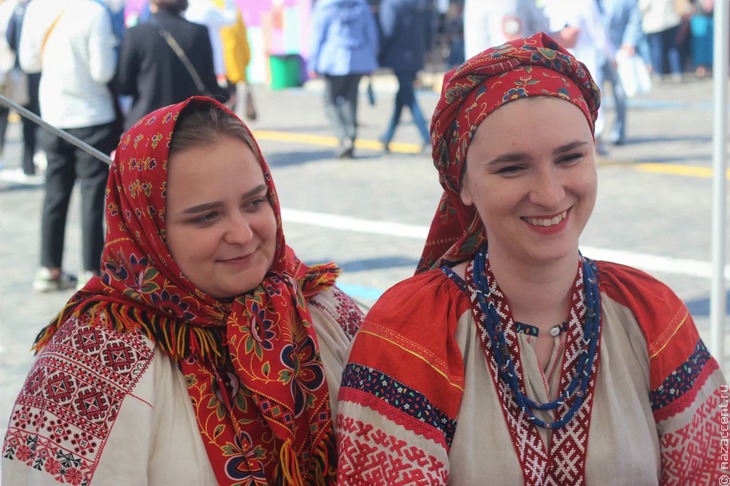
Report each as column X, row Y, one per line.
column 87, row 8
column 672, row 338
column 410, row 332
column 405, row 365
column 636, row 289
column 71, row 399
column 91, row 339
column 424, row 295
column 335, row 305
column 200, row 31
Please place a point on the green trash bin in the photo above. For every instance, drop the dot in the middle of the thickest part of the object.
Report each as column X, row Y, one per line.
column 286, row 70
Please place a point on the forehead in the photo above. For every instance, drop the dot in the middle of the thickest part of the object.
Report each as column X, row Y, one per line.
column 225, row 160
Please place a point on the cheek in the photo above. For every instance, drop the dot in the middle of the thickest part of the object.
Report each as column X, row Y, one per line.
column 173, row 237
column 590, row 185
column 187, row 246
column 266, row 226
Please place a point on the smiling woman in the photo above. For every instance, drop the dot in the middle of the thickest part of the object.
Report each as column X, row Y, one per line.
column 206, row 352
column 588, row 371
column 534, row 195
column 221, row 227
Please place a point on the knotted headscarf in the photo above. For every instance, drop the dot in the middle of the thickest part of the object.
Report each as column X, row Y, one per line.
column 533, row 66
column 252, row 363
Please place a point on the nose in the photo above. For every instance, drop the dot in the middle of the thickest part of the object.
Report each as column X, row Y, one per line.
column 238, row 230
column 547, row 190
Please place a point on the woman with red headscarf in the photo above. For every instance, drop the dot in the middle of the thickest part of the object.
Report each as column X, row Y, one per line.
column 510, row 358
column 206, row 352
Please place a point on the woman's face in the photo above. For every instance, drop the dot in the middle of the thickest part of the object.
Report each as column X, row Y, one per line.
column 531, row 174
column 221, row 228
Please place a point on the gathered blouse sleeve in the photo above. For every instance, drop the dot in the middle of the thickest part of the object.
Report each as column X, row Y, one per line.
column 402, row 386
column 336, row 319
column 687, row 388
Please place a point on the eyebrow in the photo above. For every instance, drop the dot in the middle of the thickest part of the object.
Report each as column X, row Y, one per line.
column 516, row 156
column 215, row 204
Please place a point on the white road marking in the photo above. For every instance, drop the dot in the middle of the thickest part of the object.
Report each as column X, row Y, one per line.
column 649, row 263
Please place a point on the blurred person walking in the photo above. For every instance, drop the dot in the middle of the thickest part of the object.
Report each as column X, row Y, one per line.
column 702, row 29
column 236, row 58
column 662, row 24
column 161, row 58
column 214, row 17
column 622, row 20
column 32, row 85
column 406, row 35
column 344, row 47
column 489, row 23
column 591, row 45
column 72, row 42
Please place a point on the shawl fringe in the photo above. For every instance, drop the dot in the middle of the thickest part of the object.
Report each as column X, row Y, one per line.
column 319, row 277
column 322, row 464
column 176, row 339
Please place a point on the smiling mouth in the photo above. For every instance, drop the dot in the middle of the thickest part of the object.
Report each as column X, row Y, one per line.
column 547, row 222
column 235, row 259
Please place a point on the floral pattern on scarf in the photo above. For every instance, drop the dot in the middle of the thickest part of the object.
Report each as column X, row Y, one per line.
column 252, row 364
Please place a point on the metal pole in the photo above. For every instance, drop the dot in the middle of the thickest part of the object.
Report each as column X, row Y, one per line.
column 719, row 185
column 66, row 136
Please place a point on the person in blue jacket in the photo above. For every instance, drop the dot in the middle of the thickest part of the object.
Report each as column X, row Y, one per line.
column 406, row 31
column 344, row 48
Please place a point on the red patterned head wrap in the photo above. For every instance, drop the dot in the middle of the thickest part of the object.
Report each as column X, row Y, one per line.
column 251, row 360
column 533, row 66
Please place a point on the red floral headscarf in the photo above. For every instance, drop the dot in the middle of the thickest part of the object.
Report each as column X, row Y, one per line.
column 533, row 66
column 252, row 364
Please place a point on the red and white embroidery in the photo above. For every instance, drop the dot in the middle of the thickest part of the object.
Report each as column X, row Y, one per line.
column 71, row 398
column 564, row 462
column 696, row 447
column 379, row 459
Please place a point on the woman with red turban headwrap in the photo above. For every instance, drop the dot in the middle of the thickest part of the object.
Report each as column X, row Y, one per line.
column 509, row 358
column 206, row 352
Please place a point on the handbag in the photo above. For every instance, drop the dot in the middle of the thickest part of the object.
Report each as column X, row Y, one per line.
column 250, row 107
column 15, row 86
column 633, row 74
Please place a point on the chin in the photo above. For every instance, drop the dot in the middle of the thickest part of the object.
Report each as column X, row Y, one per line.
column 549, row 255
column 547, row 251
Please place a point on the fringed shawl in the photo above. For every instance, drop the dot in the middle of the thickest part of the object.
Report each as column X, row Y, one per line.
column 252, row 364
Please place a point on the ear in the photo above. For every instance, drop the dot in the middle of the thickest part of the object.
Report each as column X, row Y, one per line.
column 465, row 193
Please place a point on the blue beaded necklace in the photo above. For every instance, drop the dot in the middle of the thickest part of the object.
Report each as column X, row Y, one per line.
column 577, row 389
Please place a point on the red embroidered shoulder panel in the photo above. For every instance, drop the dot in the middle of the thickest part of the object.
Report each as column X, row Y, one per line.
column 71, row 398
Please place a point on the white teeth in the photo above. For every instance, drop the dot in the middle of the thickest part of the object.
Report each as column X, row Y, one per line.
column 547, row 221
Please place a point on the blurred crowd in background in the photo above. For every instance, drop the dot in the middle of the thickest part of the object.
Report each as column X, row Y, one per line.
column 95, row 67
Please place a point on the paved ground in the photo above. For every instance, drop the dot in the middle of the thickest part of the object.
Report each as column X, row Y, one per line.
column 370, row 214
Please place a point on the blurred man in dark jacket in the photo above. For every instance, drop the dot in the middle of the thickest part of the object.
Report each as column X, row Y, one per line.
column 406, row 31
column 152, row 73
